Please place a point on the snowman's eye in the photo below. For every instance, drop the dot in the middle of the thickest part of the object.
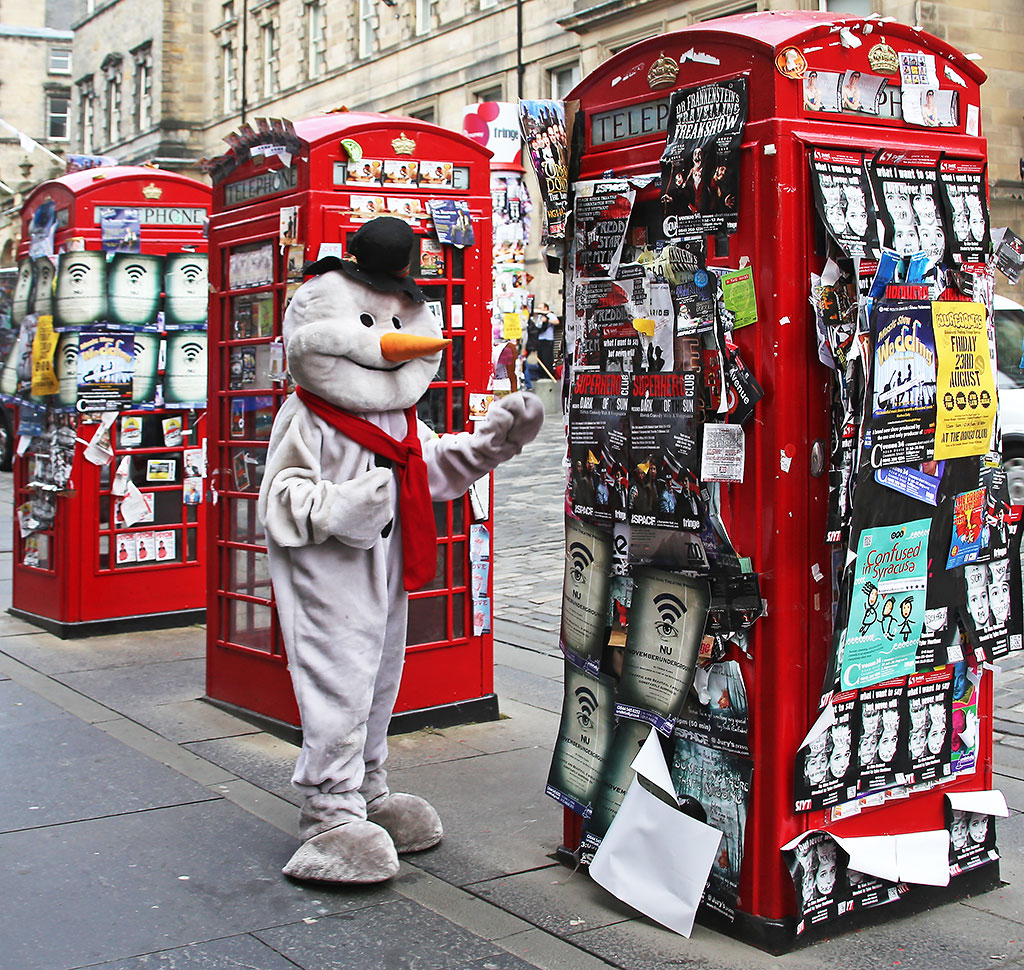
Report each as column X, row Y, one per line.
column 397, row 323
column 366, row 320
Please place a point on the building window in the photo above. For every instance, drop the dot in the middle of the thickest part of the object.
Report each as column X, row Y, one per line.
column 424, row 16
column 60, row 60
column 269, row 50
column 561, row 80
column 724, row 9
column 495, row 93
column 143, row 86
column 859, row 8
column 428, row 114
column 227, row 73
column 316, row 41
column 487, row 4
column 87, row 114
column 58, row 108
column 112, row 97
column 367, row 28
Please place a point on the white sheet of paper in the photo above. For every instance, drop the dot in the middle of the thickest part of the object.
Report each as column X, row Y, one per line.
column 825, row 720
column 120, row 484
column 874, row 855
column 649, row 763
column 133, row 505
column 98, row 450
column 656, row 859
column 989, row 802
column 923, row 857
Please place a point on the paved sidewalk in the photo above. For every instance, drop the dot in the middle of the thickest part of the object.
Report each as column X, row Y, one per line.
column 142, row 828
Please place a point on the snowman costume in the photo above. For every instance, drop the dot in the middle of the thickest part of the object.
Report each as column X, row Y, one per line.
column 350, row 531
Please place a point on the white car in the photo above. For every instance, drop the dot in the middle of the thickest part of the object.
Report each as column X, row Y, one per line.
column 1009, row 324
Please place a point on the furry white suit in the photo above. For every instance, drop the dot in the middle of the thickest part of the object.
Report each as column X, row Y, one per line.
column 360, row 340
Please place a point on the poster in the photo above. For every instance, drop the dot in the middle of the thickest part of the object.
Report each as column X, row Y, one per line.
column 903, row 384
column 667, row 615
column 81, row 294
column 186, row 289
column 964, row 739
column 905, row 186
column 826, row 770
column 716, row 714
column 966, row 385
column 134, row 285
column 968, row 520
column 664, row 452
column 700, row 164
column 452, row 222
column 738, row 296
column 924, row 103
column 584, row 740
column 598, row 446
column 615, row 778
column 585, row 593
column 963, row 189
column 543, row 127
column 44, row 345
column 988, row 607
column 144, row 373
column 185, row 374
column 887, row 608
column 881, row 749
column 929, row 709
column 105, row 369
column 721, row 783
column 601, row 211
column 972, row 840
column 842, row 196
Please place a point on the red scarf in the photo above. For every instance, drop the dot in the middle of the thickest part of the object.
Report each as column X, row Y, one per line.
column 419, row 536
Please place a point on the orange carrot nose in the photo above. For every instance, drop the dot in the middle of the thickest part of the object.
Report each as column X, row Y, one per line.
column 406, row 346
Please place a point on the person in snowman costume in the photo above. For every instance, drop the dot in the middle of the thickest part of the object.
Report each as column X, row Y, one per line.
column 346, row 501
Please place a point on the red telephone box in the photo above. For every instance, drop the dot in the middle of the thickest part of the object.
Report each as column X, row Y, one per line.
column 270, row 216
column 77, row 577
column 778, row 514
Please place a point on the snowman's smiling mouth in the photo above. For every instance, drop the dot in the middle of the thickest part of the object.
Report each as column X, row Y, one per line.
column 393, row 367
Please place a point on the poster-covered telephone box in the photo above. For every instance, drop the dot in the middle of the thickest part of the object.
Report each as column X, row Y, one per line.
column 785, row 491
column 285, row 195
column 106, row 372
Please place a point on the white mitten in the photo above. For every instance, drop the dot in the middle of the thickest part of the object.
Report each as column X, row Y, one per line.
column 512, row 422
column 361, row 508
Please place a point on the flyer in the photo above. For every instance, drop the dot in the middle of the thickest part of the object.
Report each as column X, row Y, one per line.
column 721, row 783
column 700, row 164
column 887, row 607
column 598, row 446
column 965, row 738
column 923, row 101
column 664, row 452
column 165, row 545
column 882, row 748
column 842, row 196
column 963, row 189
column 929, row 709
column 826, row 772
column 134, row 285
column 972, row 840
column 145, row 546
column 738, row 296
column 988, row 608
column 968, row 519
column 543, row 127
column 667, row 615
column 80, row 299
column 172, row 429
column 586, row 605
column 716, row 712
column 966, row 385
column 601, row 211
column 584, row 740
column 145, row 368
column 903, row 384
column 905, row 187
column 131, row 431
column 186, row 289
column 452, row 221
column 105, row 369
column 615, row 778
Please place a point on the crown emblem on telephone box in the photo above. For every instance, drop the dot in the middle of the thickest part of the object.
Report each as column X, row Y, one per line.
column 663, row 72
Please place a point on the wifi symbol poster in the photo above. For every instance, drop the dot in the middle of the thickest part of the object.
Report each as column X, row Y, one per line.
column 585, row 604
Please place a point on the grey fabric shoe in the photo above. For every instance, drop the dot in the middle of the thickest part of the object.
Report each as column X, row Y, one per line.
column 355, row 852
column 411, row 821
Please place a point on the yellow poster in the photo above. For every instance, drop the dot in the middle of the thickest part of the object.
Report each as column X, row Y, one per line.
column 966, row 401
column 44, row 380
column 512, row 326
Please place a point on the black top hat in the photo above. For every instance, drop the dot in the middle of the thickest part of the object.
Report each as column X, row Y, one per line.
column 382, row 249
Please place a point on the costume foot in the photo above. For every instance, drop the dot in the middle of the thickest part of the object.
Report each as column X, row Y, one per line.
column 355, row 852
column 411, row 821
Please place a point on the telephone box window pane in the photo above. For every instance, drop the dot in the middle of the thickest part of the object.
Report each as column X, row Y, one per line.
column 457, row 354
column 192, row 545
column 428, row 620
column 247, row 468
column 440, row 580
column 249, row 625
column 37, row 553
column 251, row 265
column 167, row 507
column 249, row 368
column 250, row 418
column 249, row 572
column 191, row 513
column 104, row 551
column 243, row 523
column 460, row 177
column 458, row 263
column 458, row 616
column 441, row 519
column 459, row 516
column 458, row 563
column 104, row 511
column 458, row 408
column 252, row 316
column 433, row 409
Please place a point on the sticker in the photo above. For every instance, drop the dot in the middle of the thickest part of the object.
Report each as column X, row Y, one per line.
column 352, row 148
column 791, row 62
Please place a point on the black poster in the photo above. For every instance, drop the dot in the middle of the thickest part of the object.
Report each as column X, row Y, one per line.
column 930, row 711
column 963, row 185
column 905, row 185
column 972, row 840
column 598, row 446
column 700, row 164
column 826, row 770
column 601, row 211
column 842, row 196
column 881, row 751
